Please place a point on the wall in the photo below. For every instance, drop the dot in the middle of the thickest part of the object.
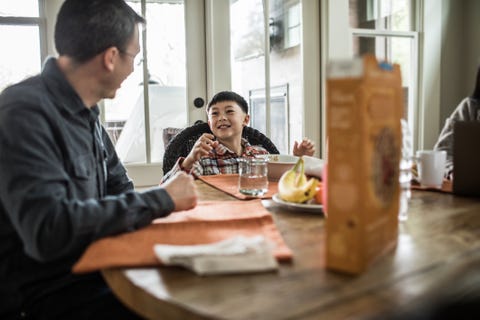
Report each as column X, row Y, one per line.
column 451, row 54
column 472, row 32
column 452, row 62
column 51, row 10
column 460, row 53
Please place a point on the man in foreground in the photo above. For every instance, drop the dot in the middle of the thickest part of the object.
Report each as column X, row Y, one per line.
column 62, row 185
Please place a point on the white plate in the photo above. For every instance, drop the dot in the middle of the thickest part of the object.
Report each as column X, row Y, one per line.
column 305, row 207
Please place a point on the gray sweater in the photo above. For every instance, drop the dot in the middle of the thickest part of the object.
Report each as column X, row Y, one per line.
column 467, row 110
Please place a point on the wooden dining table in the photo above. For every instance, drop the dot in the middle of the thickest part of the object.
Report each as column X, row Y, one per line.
column 437, row 257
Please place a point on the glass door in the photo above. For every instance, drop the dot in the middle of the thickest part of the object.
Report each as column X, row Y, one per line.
column 193, row 49
column 266, row 41
column 159, row 94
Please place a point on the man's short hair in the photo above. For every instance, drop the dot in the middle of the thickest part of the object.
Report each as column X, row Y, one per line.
column 86, row 28
column 229, row 96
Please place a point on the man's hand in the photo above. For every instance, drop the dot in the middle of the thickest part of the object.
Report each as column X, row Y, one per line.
column 182, row 190
column 304, row 148
column 201, row 148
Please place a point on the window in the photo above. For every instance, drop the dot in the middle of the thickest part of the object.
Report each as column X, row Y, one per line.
column 293, row 30
column 256, row 64
column 155, row 93
column 22, row 28
column 386, row 28
column 20, row 8
column 278, row 118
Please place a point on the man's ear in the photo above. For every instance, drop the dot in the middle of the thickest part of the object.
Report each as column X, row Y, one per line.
column 110, row 56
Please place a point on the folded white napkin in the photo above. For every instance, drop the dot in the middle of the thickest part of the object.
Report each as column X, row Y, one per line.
column 235, row 255
column 313, row 166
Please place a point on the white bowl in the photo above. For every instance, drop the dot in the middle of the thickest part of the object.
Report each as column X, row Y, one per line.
column 313, row 166
column 278, row 164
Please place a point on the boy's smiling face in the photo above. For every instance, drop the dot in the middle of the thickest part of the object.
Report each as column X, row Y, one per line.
column 227, row 119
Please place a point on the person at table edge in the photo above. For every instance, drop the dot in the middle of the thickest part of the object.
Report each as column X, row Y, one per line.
column 467, row 110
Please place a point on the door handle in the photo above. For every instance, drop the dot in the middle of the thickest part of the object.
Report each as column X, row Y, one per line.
column 198, row 102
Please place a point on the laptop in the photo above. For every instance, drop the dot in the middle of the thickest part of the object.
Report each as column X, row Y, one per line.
column 466, row 158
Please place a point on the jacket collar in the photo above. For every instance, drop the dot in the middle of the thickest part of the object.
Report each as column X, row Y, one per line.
column 58, row 85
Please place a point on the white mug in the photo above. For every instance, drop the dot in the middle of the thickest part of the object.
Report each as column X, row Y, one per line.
column 431, row 167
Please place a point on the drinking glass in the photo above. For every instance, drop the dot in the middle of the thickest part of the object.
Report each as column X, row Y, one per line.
column 253, row 176
column 405, row 174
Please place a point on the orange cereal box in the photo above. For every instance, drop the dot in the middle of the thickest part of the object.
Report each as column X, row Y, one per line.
column 364, row 107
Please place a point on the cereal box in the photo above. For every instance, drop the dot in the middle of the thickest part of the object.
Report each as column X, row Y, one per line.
column 364, row 107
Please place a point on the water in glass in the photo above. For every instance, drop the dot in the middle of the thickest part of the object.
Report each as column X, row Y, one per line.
column 253, row 176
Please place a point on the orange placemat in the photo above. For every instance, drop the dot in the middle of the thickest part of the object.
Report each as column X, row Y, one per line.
column 228, row 183
column 210, row 221
column 447, row 186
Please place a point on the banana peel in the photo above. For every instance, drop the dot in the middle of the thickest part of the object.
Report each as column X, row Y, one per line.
column 294, row 186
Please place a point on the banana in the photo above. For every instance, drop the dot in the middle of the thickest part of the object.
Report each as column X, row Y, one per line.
column 293, row 185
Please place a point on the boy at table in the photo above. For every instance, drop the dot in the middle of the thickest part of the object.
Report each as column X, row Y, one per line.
column 219, row 153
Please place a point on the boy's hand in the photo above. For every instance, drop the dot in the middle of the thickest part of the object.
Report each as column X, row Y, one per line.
column 304, row 148
column 201, row 148
column 182, row 190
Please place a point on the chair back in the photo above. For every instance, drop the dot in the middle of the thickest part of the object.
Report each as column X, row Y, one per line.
column 181, row 144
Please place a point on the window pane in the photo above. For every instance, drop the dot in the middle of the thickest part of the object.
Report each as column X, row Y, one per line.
column 258, row 119
column 167, row 70
column 19, row 8
column 21, row 58
column 392, row 15
column 391, row 49
column 278, row 115
column 248, row 66
column 293, row 25
column 125, row 115
column 247, row 29
column 279, row 119
column 247, row 39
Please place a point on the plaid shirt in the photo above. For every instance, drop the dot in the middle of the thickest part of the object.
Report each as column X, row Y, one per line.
column 220, row 160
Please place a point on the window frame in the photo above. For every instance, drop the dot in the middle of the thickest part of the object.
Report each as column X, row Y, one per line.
column 413, row 106
column 312, row 95
column 290, row 27
column 39, row 21
column 279, row 94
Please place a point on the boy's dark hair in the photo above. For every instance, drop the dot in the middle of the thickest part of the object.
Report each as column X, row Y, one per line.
column 229, row 96
column 85, row 28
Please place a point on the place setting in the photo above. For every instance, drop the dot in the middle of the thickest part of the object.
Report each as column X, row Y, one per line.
column 299, row 185
column 293, row 183
column 260, row 178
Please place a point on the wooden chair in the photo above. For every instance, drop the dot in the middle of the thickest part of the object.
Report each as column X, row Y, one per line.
column 181, row 144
